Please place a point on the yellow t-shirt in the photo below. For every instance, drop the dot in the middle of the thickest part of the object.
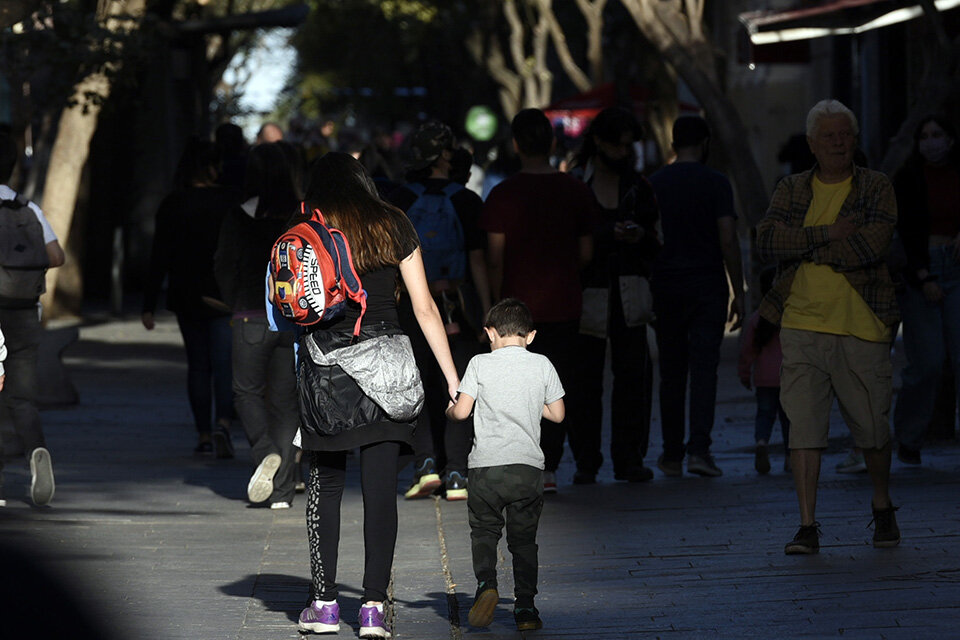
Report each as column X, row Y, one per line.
column 821, row 299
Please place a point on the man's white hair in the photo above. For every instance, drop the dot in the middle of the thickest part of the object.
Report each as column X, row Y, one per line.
column 826, row 108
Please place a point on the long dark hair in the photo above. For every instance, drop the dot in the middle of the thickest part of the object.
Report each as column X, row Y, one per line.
column 609, row 125
column 271, row 177
column 378, row 232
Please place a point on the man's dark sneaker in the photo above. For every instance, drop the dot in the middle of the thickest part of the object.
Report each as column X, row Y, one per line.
column 886, row 533
column 203, row 448
column 426, row 480
column 528, row 619
column 906, row 455
column 670, row 468
column 584, row 477
column 484, row 604
column 638, row 473
column 703, row 466
column 222, row 444
column 455, row 486
column 807, row 541
column 761, row 459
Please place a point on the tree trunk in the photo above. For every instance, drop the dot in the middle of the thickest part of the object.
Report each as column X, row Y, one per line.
column 71, row 148
column 77, row 125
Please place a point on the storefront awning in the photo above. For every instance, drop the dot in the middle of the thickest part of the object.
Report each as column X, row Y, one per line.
column 831, row 18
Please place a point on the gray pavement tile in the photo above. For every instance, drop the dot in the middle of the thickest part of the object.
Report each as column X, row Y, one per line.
column 161, row 544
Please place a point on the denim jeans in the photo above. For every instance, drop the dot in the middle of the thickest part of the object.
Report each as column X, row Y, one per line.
column 931, row 330
column 265, row 394
column 768, row 409
column 691, row 314
column 207, row 343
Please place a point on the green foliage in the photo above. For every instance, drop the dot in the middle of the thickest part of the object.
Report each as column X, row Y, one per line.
column 363, row 55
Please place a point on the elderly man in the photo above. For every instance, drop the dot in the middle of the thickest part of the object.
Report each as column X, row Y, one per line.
column 830, row 229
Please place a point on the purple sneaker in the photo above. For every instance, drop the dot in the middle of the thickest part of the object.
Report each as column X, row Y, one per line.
column 373, row 622
column 320, row 619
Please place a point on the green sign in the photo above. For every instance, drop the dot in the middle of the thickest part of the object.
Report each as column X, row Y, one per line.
column 481, row 123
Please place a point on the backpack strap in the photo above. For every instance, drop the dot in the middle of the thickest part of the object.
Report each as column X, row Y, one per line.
column 348, row 276
column 452, row 188
column 18, row 201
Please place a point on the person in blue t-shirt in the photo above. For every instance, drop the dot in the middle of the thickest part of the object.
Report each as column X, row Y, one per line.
column 691, row 294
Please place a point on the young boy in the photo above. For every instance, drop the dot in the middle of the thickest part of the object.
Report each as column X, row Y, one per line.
column 512, row 389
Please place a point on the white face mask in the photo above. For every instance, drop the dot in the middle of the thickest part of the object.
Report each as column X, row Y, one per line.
column 934, row 150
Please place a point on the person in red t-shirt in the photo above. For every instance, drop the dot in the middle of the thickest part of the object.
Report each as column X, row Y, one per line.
column 539, row 225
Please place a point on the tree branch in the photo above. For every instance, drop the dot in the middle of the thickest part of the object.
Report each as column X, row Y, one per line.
column 574, row 72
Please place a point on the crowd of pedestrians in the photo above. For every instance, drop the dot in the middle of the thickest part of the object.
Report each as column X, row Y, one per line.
column 510, row 302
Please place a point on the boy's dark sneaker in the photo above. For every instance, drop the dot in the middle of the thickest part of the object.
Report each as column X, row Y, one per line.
column 886, row 533
column 455, row 486
column 426, row 480
column 638, row 473
column 806, row 542
column 528, row 619
column 906, row 455
column 761, row 459
column 484, row 604
column 670, row 468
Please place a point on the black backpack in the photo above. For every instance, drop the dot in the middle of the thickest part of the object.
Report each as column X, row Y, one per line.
column 23, row 253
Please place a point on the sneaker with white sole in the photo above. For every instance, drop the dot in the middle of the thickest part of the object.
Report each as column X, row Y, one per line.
column 426, row 480
column 549, row 482
column 42, row 485
column 283, row 504
column 373, row 621
column 260, row 486
column 853, row 463
column 455, row 486
column 320, row 618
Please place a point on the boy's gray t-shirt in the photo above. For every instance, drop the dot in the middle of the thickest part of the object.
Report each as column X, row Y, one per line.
column 510, row 387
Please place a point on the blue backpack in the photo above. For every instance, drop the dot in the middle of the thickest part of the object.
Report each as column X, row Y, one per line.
column 441, row 234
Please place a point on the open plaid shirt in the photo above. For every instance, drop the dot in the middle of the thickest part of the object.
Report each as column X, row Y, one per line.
column 860, row 257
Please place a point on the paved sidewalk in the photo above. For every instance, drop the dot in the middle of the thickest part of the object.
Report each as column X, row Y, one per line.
column 160, row 544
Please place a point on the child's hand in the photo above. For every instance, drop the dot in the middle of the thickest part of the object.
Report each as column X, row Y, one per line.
column 746, row 383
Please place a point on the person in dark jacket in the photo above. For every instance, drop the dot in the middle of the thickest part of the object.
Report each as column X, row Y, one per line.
column 928, row 200
column 188, row 224
column 264, row 380
column 625, row 245
column 383, row 244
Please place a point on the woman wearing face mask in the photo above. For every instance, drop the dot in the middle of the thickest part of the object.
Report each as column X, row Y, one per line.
column 928, row 222
column 625, row 244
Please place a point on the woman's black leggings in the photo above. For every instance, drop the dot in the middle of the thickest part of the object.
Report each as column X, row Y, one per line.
column 378, row 481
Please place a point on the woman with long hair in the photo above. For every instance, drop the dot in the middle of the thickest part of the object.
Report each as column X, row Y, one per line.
column 928, row 222
column 264, row 380
column 383, row 244
column 625, row 244
column 188, row 224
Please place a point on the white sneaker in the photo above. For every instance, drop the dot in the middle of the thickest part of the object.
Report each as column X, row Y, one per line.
column 853, row 463
column 283, row 504
column 261, row 482
column 549, row 482
column 41, row 471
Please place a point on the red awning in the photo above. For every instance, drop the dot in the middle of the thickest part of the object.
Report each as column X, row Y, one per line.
column 574, row 113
